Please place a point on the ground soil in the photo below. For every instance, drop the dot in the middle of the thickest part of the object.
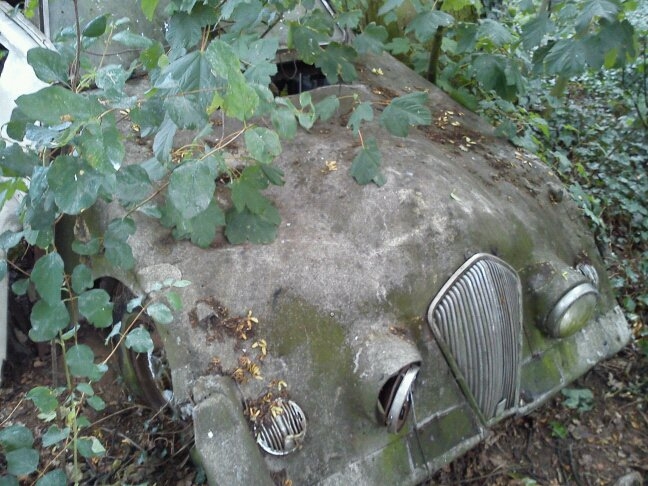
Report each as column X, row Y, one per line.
column 554, row 445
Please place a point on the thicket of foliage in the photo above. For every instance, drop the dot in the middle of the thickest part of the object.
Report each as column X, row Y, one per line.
column 517, row 63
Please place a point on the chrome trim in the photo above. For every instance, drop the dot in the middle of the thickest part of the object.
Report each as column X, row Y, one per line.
column 398, row 411
column 477, row 320
column 565, row 302
column 284, row 430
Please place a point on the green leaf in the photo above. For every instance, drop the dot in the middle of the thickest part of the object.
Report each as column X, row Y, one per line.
column 273, row 174
column 388, row 6
column 174, row 299
column 97, row 403
column 426, row 23
column 283, row 120
column 95, row 306
column 187, row 87
column 15, row 161
column 16, row 436
column 362, row 112
column 336, row 62
column 245, row 226
column 85, row 388
column 96, row 27
column 22, row 462
column 112, row 79
column 326, row 108
column 148, row 7
column 399, row 45
column 90, row 247
column 497, row 33
column 132, row 40
column 101, row 146
column 90, row 447
column 49, row 66
column 366, row 165
column 133, row 184
column 263, row 144
column 62, row 106
column 191, row 188
column 565, row 58
column 43, row 398
column 596, row 9
column 222, row 58
column 118, row 251
column 160, row 313
column 53, row 478
column 47, row 276
column 19, row 287
column 139, row 340
column 81, row 278
column 74, row 183
column 372, row 39
column 535, row 30
column 405, row 111
column 80, row 360
column 54, row 435
column 246, row 190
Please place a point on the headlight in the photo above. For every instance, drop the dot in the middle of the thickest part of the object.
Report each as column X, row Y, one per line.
column 386, row 366
column 563, row 298
column 572, row 311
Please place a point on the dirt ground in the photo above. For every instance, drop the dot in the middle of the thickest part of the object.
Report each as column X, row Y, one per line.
column 555, row 445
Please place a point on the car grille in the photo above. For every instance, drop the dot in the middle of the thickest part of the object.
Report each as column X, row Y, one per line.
column 284, row 431
column 477, row 320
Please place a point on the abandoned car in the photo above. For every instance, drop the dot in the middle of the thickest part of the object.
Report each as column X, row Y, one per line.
column 386, row 328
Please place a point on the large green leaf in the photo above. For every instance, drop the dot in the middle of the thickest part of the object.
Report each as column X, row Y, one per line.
column 187, row 86
column 102, row 146
column 362, row 112
column 80, row 361
column 21, row 462
column 133, row 184
column 62, row 106
column 245, row 226
column 201, row 229
column 17, row 162
column 148, row 7
column 47, row 276
column 336, row 62
column 47, row 320
column 54, row 435
column 566, row 58
column 160, row 313
column 57, row 477
column 16, row 436
column 263, row 144
column 95, row 306
column 118, row 251
column 405, row 111
column 44, row 399
column 96, row 27
column 246, row 190
column 596, row 9
column 426, row 23
column 366, row 165
column 535, row 30
column 191, row 188
column 498, row 34
column 74, row 183
column 372, row 39
column 49, row 66
column 139, row 340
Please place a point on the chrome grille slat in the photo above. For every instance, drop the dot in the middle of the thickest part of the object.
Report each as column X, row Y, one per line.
column 477, row 317
column 284, row 431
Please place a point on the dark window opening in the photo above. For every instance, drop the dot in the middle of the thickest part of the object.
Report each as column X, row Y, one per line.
column 295, row 77
column 3, row 57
